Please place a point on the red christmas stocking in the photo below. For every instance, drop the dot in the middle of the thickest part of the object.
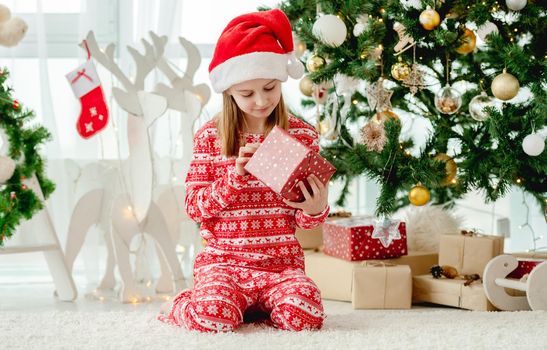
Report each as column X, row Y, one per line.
column 87, row 87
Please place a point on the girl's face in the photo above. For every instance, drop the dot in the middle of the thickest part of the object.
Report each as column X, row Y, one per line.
column 257, row 98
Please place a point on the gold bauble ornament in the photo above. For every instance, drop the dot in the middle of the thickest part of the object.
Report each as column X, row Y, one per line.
column 326, row 129
column 324, row 126
column 315, row 63
column 306, row 86
column 429, row 19
column 382, row 116
column 299, row 48
column 468, row 42
column 450, row 167
column 419, row 195
column 505, row 86
column 400, row 70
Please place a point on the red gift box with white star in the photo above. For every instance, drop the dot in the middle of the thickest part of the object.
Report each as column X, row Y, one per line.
column 282, row 161
column 364, row 238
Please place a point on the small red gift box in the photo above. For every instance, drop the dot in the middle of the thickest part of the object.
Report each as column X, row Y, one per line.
column 282, row 161
column 364, row 238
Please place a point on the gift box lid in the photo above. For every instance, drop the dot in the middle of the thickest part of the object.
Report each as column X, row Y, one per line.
column 358, row 221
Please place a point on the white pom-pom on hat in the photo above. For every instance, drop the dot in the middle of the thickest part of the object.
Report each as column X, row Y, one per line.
column 295, row 68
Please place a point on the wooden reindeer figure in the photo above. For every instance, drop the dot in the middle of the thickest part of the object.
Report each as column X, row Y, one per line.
column 132, row 212
column 188, row 99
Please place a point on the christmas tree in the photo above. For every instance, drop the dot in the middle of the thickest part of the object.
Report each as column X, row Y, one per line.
column 371, row 63
column 20, row 162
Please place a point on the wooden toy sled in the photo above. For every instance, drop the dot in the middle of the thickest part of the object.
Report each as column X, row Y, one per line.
column 496, row 281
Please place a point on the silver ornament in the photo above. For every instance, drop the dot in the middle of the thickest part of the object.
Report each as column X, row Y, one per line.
column 448, row 100
column 477, row 105
column 533, row 145
column 516, row 5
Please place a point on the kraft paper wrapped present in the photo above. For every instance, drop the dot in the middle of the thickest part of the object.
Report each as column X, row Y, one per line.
column 282, row 161
column 450, row 292
column 380, row 285
column 334, row 276
column 310, row 239
column 469, row 253
column 360, row 238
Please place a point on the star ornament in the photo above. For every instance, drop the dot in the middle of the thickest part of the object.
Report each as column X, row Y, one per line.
column 415, row 80
column 378, row 97
column 386, row 231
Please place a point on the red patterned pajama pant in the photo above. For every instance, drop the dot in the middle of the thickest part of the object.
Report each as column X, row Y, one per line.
column 222, row 294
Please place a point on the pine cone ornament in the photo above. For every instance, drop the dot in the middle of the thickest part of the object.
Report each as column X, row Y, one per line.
column 436, row 271
column 445, row 270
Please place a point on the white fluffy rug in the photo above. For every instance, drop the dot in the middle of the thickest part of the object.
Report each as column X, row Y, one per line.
column 414, row 329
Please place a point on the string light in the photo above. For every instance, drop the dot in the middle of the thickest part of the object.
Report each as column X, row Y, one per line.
column 527, row 224
column 354, row 102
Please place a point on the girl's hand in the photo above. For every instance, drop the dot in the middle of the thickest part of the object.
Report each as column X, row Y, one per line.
column 245, row 153
column 314, row 202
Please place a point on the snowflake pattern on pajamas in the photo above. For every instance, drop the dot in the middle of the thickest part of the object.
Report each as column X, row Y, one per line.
column 252, row 257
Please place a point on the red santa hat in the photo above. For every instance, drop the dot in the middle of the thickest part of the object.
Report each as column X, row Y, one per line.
column 252, row 46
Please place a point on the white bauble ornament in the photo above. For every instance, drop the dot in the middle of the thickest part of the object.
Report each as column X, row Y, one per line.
column 515, row 5
column 361, row 25
column 358, row 29
column 477, row 105
column 486, row 29
column 330, row 29
column 7, row 167
column 424, row 226
column 533, row 145
column 448, row 100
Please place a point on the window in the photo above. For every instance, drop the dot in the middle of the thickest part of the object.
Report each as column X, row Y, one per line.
column 64, row 23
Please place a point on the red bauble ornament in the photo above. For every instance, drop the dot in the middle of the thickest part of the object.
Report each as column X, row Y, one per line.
column 16, row 104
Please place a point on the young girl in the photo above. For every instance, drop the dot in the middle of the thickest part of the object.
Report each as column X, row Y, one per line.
column 252, row 260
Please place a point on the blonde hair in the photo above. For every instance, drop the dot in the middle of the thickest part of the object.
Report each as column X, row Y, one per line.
column 231, row 122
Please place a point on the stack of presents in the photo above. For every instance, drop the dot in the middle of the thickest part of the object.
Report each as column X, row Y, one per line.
column 366, row 262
